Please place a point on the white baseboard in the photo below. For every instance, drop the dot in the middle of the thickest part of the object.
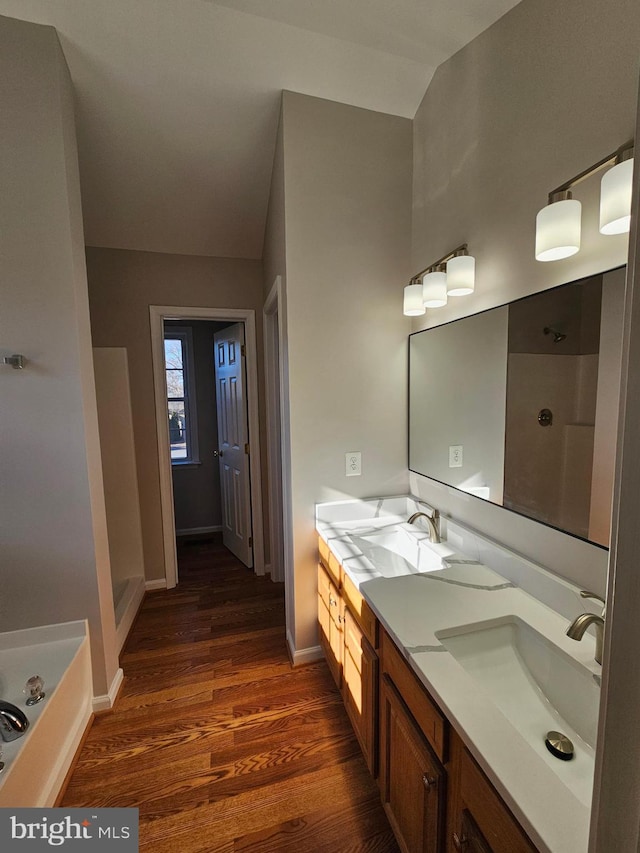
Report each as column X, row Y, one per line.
column 302, row 656
column 193, row 531
column 105, row 702
column 160, row 583
column 130, row 605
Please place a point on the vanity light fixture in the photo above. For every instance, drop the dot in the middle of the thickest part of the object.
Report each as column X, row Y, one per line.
column 452, row 275
column 413, row 305
column 434, row 287
column 558, row 225
column 461, row 273
column 615, row 194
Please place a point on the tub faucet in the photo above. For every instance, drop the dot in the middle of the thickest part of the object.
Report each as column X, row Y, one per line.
column 13, row 721
column 580, row 624
column 433, row 521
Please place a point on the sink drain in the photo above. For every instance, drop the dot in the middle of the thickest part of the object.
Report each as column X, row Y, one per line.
column 559, row 745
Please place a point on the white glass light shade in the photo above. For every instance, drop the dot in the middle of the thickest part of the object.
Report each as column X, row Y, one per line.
column 615, row 199
column 558, row 230
column 434, row 290
column 413, row 306
column 461, row 275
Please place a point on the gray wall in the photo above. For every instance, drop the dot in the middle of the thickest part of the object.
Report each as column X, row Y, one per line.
column 274, row 254
column 121, row 494
column 122, row 286
column 55, row 558
column 542, row 94
column 196, row 488
column 347, row 194
column 464, row 366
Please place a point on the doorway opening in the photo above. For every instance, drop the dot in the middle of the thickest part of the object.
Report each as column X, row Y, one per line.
column 182, row 340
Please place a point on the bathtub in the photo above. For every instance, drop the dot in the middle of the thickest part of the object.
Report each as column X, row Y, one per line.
column 37, row 763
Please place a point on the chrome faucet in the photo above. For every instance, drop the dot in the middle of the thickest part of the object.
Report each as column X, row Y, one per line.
column 13, row 721
column 580, row 624
column 433, row 521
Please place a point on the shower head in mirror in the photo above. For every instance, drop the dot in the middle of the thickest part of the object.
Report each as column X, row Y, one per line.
column 557, row 336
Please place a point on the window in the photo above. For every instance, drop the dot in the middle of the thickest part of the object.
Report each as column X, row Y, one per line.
column 179, row 372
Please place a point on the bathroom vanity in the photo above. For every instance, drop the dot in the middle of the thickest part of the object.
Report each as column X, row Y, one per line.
column 453, row 663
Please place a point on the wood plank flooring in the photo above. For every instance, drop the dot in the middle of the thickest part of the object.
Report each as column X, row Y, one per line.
column 218, row 741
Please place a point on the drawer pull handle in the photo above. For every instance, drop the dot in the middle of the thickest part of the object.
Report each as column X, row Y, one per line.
column 460, row 842
column 429, row 781
column 341, row 618
column 332, row 602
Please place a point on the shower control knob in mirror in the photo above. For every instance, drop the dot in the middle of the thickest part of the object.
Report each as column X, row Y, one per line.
column 545, row 417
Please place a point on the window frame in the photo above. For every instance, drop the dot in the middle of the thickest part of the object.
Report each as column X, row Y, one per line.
column 185, row 335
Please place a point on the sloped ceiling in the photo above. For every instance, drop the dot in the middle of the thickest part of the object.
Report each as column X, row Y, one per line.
column 178, row 100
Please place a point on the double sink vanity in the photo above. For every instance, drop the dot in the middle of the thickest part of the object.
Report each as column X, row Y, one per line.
column 455, row 665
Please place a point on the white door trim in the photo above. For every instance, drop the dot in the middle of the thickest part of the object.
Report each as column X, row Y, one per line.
column 157, row 315
column 276, row 301
column 273, row 394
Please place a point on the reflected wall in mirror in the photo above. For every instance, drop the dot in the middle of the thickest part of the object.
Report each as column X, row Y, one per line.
column 518, row 405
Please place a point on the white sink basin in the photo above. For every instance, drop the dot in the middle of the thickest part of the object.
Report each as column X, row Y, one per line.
column 397, row 552
column 538, row 688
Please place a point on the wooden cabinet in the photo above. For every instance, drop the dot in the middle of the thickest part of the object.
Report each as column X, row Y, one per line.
column 436, row 797
column 465, row 813
column 330, row 620
column 412, row 780
column 360, row 687
column 348, row 636
column 470, row 839
column 479, row 821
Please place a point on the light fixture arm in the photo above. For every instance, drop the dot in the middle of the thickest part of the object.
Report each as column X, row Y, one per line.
column 625, row 152
column 460, row 250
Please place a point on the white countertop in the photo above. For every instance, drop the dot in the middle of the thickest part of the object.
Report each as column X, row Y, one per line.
column 550, row 798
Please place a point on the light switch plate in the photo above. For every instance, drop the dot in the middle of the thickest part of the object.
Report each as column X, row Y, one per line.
column 455, row 456
column 353, row 463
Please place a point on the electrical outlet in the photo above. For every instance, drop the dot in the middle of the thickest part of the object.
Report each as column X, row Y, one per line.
column 353, row 463
column 455, row 456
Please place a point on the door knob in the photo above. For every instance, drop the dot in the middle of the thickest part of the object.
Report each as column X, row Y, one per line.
column 216, row 454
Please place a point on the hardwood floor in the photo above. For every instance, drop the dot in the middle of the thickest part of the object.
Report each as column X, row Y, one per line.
column 218, row 741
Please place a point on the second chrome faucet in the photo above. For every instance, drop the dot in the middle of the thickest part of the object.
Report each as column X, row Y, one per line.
column 576, row 630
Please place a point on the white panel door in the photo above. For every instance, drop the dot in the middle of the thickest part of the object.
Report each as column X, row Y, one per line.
column 231, row 404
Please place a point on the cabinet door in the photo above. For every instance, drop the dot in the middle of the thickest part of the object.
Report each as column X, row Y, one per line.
column 360, row 688
column 481, row 822
column 330, row 618
column 412, row 780
column 470, row 839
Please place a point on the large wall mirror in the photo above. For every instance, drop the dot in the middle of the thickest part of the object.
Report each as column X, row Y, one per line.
column 518, row 405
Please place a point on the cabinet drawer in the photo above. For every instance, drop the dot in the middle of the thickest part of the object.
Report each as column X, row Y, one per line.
column 363, row 613
column 494, row 820
column 353, row 639
column 324, row 584
column 331, row 565
column 323, row 618
column 323, row 550
column 360, row 694
column 432, row 722
column 329, row 594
